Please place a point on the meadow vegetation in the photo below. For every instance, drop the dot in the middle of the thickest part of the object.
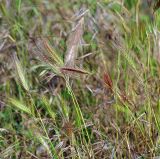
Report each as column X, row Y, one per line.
column 79, row 79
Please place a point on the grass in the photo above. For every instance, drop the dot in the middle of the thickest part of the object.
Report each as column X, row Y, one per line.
column 79, row 79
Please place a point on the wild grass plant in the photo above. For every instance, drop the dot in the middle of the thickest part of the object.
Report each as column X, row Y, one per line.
column 79, row 79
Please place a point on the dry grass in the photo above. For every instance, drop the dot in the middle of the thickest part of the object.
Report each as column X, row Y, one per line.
column 79, row 79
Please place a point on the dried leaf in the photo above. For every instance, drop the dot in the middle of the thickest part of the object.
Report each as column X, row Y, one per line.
column 68, row 128
column 108, row 81
column 72, row 44
column 73, row 70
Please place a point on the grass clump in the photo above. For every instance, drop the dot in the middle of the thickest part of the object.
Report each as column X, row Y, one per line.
column 79, row 79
